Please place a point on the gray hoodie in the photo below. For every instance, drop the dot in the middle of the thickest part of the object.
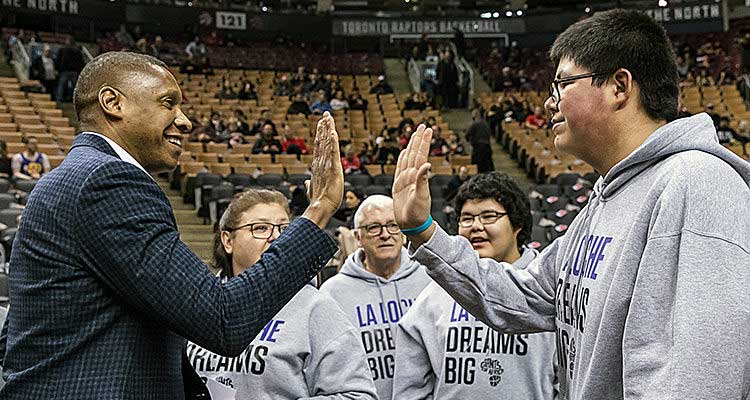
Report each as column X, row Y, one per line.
column 375, row 305
column 648, row 291
column 443, row 353
column 298, row 355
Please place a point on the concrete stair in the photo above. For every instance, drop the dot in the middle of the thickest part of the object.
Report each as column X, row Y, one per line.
column 397, row 77
column 192, row 230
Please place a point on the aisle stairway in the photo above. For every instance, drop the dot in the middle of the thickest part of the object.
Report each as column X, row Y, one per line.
column 192, row 230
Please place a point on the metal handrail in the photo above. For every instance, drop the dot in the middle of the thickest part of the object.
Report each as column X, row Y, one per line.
column 415, row 75
column 87, row 54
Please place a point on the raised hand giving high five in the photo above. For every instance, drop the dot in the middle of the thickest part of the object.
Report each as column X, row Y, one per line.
column 411, row 191
column 326, row 191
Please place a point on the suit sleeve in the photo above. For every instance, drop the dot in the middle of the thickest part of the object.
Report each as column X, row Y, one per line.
column 505, row 298
column 129, row 241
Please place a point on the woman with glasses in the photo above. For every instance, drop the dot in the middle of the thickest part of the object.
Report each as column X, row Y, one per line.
column 443, row 352
column 309, row 349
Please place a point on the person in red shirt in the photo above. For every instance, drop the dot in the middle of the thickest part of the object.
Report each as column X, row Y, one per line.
column 291, row 144
column 537, row 119
column 350, row 160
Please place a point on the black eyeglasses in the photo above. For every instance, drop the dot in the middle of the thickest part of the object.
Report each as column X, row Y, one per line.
column 554, row 88
column 376, row 229
column 261, row 230
column 485, row 218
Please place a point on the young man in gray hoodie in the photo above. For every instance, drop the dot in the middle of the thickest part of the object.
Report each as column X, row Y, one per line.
column 376, row 286
column 444, row 353
column 648, row 290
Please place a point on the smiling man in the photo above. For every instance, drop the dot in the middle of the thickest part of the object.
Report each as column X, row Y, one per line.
column 377, row 285
column 104, row 293
column 648, row 289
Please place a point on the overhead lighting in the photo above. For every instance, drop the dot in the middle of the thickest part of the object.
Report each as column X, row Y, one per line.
column 495, row 14
column 588, row 10
column 264, row 9
column 519, row 13
column 662, row 3
column 509, row 13
column 482, row 15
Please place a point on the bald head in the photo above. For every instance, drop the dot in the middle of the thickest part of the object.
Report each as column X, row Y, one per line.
column 116, row 69
column 374, row 202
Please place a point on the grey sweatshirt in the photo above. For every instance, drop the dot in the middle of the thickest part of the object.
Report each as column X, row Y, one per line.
column 298, row 355
column 375, row 305
column 648, row 291
column 443, row 353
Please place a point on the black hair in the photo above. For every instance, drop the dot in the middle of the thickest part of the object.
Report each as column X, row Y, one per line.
column 111, row 68
column 502, row 188
column 627, row 39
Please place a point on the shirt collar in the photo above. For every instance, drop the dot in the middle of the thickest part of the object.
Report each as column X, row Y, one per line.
column 122, row 153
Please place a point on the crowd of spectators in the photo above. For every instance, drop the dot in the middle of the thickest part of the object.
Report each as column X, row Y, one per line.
column 440, row 79
column 56, row 68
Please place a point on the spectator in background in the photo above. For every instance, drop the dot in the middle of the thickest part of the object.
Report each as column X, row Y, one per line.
column 725, row 132
column 455, row 146
column 217, row 123
column 196, row 50
column 30, row 163
column 321, row 105
column 236, row 138
column 523, row 81
column 339, row 101
column 438, row 145
column 506, row 81
column 267, row 144
column 387, row 150
column 291, row 144
column 203, row 131
column 6, row 171
column 43, row 70
column 713, row 114
column 283, row 86
column 382, row 87
column 300, row 77
column 415, row 102
column 69, row 65
column 743, row 135
column 263, row 120
column 356, row 101
column 455, row 183
column 352, row 199
column 247, row 91
column 157, row 49
column 447, row 77
column 227, row 90
column 299, row 106
column 682, row 67
column 365, row 153
column 242, row 125
column 350, row 160
column 478, row 135
column 496, row 114
column 536, row 120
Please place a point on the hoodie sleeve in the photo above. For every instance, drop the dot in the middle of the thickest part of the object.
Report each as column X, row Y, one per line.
column 413, row 377
column 505, row 298
column 336, row 368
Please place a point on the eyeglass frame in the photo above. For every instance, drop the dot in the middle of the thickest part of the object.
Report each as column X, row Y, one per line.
column 281, row 228
column 554, row 87
column 474, row 217
column 380, row 229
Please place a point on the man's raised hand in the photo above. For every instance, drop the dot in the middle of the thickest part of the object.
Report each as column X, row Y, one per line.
column 326, row 188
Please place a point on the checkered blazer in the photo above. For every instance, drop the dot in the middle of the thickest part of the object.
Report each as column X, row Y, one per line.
column 104, row 293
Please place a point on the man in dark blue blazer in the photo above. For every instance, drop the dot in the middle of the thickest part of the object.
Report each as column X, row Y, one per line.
column 103, row 292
